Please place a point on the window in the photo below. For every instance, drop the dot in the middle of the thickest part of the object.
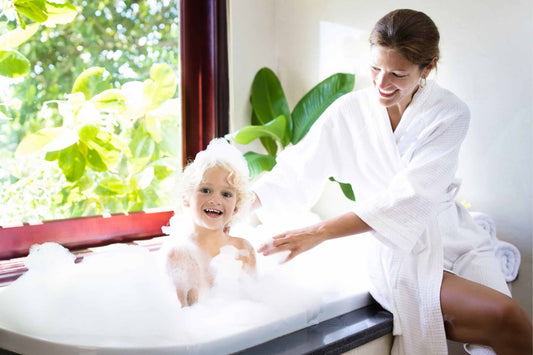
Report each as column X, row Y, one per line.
column 203, row 116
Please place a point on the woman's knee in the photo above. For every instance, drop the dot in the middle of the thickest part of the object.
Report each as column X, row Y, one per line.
column 508, row 316
column 515, row 316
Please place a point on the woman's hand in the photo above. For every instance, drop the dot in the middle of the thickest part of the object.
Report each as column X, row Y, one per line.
column 299, row 240
column 296, row 241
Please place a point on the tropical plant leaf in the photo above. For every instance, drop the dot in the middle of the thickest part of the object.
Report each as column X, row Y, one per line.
column 72, row 163
column 101, row 152
column 270, row 144
column 48, row 139
column 91, row 82
column 95, row 161
column 315, row 102
column 268, row 100
column 275, row 129
column 346, row 188
column 169, row 143
column 13, row 64
column 16, row 37
column 110, row 100
column 257, row 163
column 60, row 13
column 33, row 9
column 111, row 186
column 161, row 86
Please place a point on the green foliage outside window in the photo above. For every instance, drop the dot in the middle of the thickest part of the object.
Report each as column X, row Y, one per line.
column 89, row 121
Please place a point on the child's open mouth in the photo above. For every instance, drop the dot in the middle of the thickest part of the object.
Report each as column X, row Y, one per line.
column 212, row 212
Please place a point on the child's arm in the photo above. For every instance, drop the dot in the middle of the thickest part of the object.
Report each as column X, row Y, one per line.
column 186, row 274
column 246, row 254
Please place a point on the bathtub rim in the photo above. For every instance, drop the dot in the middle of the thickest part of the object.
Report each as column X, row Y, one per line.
column 29, row 344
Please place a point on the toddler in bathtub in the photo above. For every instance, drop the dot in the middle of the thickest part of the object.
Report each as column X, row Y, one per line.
column 214, row 189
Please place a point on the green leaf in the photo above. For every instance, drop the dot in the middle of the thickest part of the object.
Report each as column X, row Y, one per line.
column 101, row 152
column 111, row 186
column 153, row 127
column 13, row 64
column 51, row 156
column 92, row 82
column 257, row 163
column 72, row 163
column 268, row 99
column 110, row 100
column 161, row 86
column 142, row 145
column 16, row 37
column 161, row 172
column 60, row 13
column 33, row 9
column 275, row 129
column 171, row 141
column 48, row 139
column 270, row 144
column 346, row 189
column 95, row 160
column 315, row 102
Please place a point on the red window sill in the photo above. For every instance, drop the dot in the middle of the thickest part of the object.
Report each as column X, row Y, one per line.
column 79, row 233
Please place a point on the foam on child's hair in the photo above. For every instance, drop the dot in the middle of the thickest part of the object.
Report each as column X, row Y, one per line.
column 219, row 150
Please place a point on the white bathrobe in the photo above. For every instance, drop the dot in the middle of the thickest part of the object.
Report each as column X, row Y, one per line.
column 404, row 183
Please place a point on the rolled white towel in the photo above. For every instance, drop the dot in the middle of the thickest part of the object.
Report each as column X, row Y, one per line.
column 507, row 254
column 509, row 257
column 486, row 223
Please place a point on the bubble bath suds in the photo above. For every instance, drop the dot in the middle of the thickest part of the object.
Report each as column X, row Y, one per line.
column 121, row 297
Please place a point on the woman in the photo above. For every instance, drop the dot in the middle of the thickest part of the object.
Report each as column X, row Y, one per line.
column 397, row 143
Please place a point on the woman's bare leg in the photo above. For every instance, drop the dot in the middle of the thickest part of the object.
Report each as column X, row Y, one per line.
column 477, row 314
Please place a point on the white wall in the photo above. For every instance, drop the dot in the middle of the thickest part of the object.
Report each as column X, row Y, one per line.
column 487, row 56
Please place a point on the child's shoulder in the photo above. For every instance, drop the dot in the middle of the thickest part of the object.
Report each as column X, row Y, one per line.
column 241, row 243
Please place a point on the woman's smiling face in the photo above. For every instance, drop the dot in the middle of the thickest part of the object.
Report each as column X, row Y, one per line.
column 394, row 77
column 213, row 201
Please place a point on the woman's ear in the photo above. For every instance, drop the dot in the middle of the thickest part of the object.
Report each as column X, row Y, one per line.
column 432, row 65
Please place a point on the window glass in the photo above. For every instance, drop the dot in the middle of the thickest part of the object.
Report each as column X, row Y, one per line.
column 89, row 108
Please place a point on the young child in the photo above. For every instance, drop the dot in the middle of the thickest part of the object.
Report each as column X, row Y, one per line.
column 214, row 190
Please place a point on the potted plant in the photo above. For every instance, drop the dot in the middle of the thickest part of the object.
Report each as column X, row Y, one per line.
column 277, row 126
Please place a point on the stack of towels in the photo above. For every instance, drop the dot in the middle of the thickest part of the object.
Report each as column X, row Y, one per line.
column 507, row 253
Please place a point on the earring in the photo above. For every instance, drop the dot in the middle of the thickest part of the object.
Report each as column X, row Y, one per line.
column 422, row 83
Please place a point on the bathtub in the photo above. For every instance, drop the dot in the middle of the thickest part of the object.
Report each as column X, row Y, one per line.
column 334, row 302
column 279, row 326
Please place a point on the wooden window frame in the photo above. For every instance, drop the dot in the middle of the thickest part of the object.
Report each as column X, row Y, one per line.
column 204, row 93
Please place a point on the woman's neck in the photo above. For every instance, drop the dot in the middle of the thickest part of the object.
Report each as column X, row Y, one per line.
column 396, row 111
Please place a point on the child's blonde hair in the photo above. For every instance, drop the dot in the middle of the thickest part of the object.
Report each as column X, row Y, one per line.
column 219, row 153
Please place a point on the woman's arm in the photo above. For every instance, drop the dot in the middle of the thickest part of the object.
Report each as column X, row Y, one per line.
column 300, row 240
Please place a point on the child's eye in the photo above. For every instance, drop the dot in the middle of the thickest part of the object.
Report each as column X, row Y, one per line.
column 374, row 68
column 227, row 194
column 205, row 190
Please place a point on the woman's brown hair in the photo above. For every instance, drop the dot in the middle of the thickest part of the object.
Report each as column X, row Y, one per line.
column 412, row 33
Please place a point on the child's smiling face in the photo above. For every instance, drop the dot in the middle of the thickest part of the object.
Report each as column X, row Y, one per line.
column 213, row 201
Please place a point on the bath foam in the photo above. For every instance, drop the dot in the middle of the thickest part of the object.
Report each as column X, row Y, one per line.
column 121, row 300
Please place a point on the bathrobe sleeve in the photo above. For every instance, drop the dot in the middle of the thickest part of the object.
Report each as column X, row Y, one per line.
column 401, row 212
column 298, row 178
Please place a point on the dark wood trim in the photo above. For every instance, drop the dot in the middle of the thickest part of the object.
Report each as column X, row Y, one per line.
column 204, row 73
column 77, row 233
